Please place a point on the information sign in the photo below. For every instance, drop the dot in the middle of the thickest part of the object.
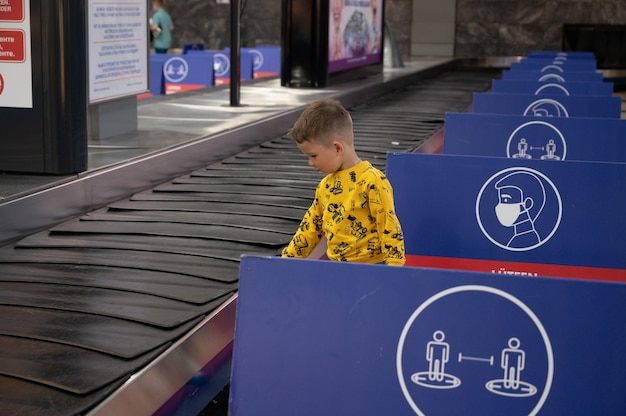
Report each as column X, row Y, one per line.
column 118, row 49
column 16, row 81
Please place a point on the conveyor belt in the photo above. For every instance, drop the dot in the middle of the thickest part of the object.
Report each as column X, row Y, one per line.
column 89, row 302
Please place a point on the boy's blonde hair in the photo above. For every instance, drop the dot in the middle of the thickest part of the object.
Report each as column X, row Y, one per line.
column 322, row 122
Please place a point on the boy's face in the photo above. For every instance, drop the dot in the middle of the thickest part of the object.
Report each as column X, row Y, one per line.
column 321, row 158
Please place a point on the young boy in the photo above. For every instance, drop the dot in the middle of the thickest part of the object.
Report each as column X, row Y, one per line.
column 353, row 206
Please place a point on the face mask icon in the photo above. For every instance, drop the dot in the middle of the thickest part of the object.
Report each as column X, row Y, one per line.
column 518, row 209
column 508, row 213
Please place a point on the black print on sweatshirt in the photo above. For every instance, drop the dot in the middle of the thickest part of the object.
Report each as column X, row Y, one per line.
column 357, row 229
column 337, row 188
column 338, row 211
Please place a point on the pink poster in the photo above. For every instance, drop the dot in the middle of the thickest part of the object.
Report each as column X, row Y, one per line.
column 355, row 30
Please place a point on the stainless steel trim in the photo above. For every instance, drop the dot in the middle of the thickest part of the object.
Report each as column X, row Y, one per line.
column 148, row 390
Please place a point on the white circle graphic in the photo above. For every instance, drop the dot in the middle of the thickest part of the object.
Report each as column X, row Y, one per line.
column 475, row 288
column 257, row 59
column 551, row 77
column 546, row 107
column 552, row 67
column 221, row 64
column 557, row 132
column 175, row 69
column 538, row 207
column 551, row 85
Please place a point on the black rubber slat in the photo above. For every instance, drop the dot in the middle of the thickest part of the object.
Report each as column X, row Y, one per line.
column 220, row 171
column 236, row 220
column 117, row 337
column 268, row 200
column 22, row 397
column 74, row 370
column 227, row 250
column 263, row 166
column 213, row 232
column 293, row 157
column 179, row 287
column 250, row 191
column 214, row 207
column 213, row 269
column 135, row 307
column 282, row 182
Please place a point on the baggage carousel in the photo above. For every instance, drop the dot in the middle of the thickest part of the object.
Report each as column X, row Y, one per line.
column 118, row 309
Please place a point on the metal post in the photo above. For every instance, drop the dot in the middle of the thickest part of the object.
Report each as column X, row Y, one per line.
column 235, row 71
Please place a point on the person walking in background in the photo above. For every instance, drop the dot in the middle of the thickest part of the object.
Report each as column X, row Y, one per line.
column 161, row 26
column 353, row 206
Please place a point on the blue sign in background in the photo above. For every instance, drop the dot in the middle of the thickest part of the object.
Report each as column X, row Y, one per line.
column 157, row 82
column 547, row 105
column 554, row 87
column 568, row 55
column 321, row 337
column 575, row 209
column 184, row 70
column 222, row 65
column 265, row 60
column 501, row 135
column 536, row 75
column 549, row 64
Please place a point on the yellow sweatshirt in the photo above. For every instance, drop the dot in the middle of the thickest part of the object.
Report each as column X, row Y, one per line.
column 354, row 209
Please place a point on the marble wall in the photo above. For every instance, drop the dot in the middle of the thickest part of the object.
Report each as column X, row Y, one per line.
column 516, row 27
column 207, row 22
column 483, row 27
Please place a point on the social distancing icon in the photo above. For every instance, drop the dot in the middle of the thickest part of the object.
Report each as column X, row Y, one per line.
column 512, row 363
column 175, row 69
column 454, row 353
column 537, row 140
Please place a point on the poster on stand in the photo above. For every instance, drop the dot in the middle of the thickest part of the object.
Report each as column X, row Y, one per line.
column 16, row 83
column 118, row 49
column 355, row 29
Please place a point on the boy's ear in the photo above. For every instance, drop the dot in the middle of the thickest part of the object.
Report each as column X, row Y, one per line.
column 338, row 146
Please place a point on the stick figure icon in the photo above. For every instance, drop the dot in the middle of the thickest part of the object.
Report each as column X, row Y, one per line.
column 513, row 363
column 437, row 355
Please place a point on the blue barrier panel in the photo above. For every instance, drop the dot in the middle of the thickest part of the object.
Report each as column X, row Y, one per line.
column 222, row 66
column 547, row 105
column 568, row 54
column 328, row 338
column 558, row 59
column 157, row 81
column 527, row 137
column 193, row 47
column 557, row 66
column 554, row 87
column 186, row 72
column 265, row 60
column 538, row 76
column 497, row 214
